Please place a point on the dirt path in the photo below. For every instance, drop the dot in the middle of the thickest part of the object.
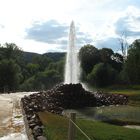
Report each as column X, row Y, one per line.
column 11, row 119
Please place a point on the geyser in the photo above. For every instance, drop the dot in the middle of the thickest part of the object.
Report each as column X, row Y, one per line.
column 72, row 64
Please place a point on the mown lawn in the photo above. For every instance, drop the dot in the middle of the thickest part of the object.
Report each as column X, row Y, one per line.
column 56, row 128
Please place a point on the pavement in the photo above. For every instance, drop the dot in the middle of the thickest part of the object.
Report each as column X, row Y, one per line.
column 11, row 119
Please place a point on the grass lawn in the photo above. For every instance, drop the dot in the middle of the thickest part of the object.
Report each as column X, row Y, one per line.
column 56, row 128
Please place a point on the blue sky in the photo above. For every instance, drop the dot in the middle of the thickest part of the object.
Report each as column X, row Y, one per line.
column 43, row 25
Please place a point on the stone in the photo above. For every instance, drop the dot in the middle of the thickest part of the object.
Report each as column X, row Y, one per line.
column 37, row 131
column 41, row 138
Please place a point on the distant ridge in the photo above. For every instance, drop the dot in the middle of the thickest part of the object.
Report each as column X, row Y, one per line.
column 55, row 56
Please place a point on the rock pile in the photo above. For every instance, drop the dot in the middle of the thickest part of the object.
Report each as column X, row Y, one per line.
column 110, row 99
column 63, row 97
column 71, row 96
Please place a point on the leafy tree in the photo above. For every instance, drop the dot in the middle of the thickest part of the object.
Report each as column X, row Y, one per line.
column 9, row 75
column 102, row 75
column 28, row 85
column 58, row 66
column 32, row 69
column 105, row 55
column 29, row 70
column 43, row 62
column 11, row 51
column 89, row 56
column 132, row 65
column 117, row 62
column 122, row 78
column 42, row 81
column 47, row 79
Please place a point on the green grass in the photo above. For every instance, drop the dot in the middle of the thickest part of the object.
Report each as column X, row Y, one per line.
column 56, row 128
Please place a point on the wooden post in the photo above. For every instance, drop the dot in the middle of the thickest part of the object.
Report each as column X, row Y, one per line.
column 71, row 130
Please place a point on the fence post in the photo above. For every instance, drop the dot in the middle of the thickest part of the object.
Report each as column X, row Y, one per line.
column 71, row 129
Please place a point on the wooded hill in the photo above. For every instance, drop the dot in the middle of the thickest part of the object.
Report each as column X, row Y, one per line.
column 25, row 71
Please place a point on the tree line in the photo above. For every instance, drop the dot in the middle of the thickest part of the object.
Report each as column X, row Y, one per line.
column 103, row 67
column 23, row 71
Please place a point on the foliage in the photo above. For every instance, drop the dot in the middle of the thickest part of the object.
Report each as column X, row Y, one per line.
column 89, row 56
column 27, row 85
column 29, row 71
column 10, row 51
column 100, row 67
column 58, row 66
column 132, row 65
column 42, row 61
column 47, row 79
column 117, row 61
column 9, row 75
column 55, row 56
column 42, row 81
column 105, row 55
column 102, row 75
column 32, row 69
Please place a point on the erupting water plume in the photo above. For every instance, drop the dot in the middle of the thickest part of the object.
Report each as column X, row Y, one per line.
column 72, row 64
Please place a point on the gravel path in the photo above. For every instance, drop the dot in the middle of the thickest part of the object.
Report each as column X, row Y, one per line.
column 11, row 119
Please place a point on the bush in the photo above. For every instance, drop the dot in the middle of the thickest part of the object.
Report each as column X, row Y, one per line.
column 9, row 75
column 132, row 64
column 102, row 75
column 42, row 81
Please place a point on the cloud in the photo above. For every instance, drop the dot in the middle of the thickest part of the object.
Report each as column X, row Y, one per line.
column 49, row 31
column 83, row 38
column 2, row 26
column 126, row 26
column 110, row 42
column 53, row 32
column 129, row 24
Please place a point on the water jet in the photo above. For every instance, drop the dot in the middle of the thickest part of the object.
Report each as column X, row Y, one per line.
column 72, row 64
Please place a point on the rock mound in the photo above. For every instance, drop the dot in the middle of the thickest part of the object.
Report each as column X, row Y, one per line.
column 62, row 97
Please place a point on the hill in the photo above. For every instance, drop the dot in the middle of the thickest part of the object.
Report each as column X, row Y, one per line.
column 55, row 56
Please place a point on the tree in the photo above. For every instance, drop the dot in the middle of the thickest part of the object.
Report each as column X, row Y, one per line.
column 102, row 75
column 27, row 85
column 43, row 61
column 32, row 69
column 105, row 55
column 89, row 56
column 117, row 61
column 11, row 51
column 58, row 66
column 9, row 75
column 47, row 79
column 132, row 65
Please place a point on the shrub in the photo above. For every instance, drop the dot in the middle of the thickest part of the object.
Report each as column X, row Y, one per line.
column 102, row 75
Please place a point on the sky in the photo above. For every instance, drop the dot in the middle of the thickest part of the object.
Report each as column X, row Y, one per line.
column 43, row 25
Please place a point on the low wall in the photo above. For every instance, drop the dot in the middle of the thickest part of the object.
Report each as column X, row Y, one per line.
column 27, row 128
